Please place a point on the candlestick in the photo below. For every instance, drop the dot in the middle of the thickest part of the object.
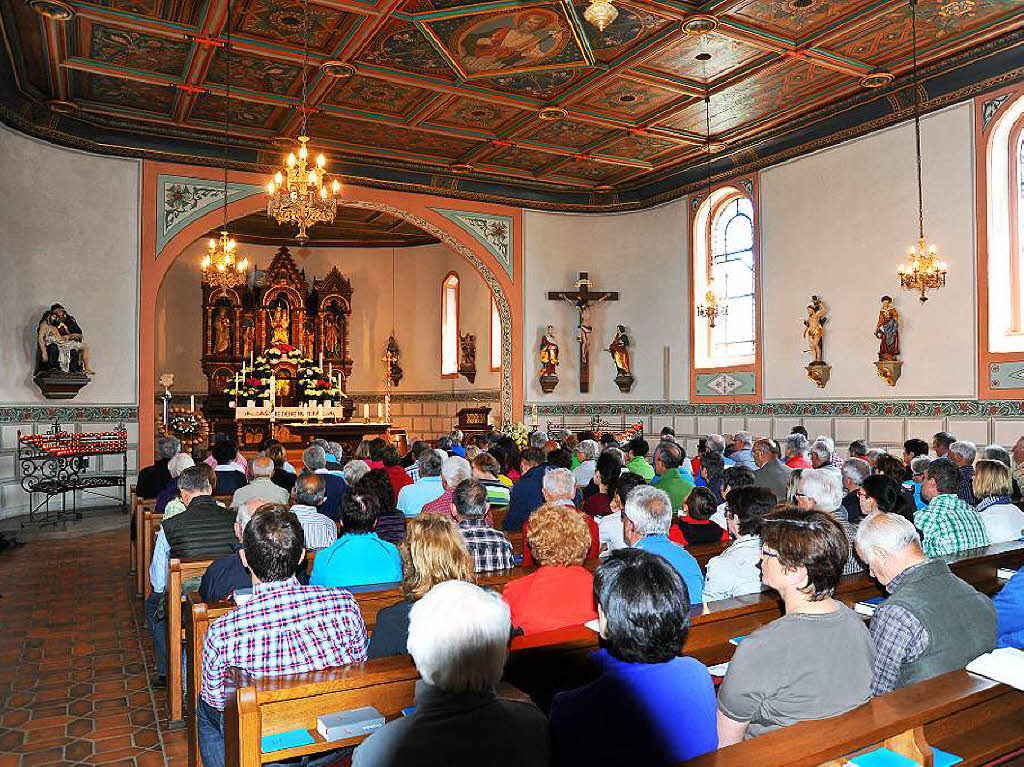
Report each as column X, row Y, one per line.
column 252, row 360
column 243, row 370
column 330, row 369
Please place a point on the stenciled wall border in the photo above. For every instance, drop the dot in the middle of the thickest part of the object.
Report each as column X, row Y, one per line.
column 68, row 414
column 808, row 408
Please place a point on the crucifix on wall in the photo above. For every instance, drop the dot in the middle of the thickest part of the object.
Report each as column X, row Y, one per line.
column 582, row 299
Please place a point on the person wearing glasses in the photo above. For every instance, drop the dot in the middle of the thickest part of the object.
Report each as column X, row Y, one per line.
column 819, row 490
column 814, row 662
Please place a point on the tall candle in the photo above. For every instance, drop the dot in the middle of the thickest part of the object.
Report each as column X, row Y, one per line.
column 243, row 370
column 330, row 369
column 321, row 360
column 366, row 412
column 192, row 403
column 339, row 383
column 380, row 409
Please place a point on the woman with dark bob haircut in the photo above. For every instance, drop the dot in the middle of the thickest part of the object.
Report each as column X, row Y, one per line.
column 665, row 701
column 880, row 493
column 814, row 662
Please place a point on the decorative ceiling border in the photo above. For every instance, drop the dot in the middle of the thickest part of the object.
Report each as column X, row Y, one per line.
column 493, row 232
column 183, row 200
column 65, row 414
column 806, row 408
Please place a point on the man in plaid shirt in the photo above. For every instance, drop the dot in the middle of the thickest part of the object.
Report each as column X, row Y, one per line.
column 285, row 628
column 947, row 523
column 490, row 549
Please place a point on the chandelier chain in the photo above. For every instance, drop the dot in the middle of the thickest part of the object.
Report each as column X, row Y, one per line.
column 917, row 118
column 305, row 58
column 227, row 107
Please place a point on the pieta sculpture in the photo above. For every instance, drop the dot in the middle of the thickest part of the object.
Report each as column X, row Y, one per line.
column 62, row 355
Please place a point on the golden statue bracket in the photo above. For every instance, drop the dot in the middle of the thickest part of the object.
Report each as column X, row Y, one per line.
column 819, row 372
column 624, row 382
column 889, row 371
column 548, row 383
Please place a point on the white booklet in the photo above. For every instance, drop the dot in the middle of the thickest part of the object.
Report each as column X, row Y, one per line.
column 1005, row 665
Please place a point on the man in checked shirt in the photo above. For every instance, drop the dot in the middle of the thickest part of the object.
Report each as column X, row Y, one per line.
column 284, row 628
column 933, row 622
column 490, row 549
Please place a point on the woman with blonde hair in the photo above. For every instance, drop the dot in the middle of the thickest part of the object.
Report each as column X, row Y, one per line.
column 434, row 551
column 560, row 592
column 1002, row 519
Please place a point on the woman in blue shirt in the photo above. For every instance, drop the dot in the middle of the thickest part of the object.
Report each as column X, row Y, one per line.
column 650, row 706
column 359, row 557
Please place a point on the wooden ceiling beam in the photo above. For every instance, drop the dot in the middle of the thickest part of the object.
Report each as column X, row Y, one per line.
column 212, row 25
column 56, row 44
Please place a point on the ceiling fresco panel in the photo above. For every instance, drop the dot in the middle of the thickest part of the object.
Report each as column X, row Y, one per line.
column 587, row 170
column 210, row 108
column 625, row 98
column 797, row 19
column 280, row 21
column 375, row 135
column 471, row 114
column 727, row 56
column 115, row 91
column 401, row 45
column 567, row 133
column 507, row 41
column 254, row 73
column 546, row 85
column 519, row 158
column 370, row 94
column 135, row 50
column 639, row 147
column 631, row 29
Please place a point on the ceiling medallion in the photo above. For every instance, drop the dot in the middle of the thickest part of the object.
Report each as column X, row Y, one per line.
column 877, row 79
column 552, row 113
column 462, row 167
column 62, row 107
column 700, row 24
column 718, row 146
column 339, row 70
column 601, row 13
column 53, row 9
column 957, row 8
column 801, row 5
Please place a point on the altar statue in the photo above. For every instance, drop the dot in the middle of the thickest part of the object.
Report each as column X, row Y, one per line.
column 549, row 353
column 61, row 343
column 814, row 328
column 279, row 323
column 619, row 349
column 248, row 337
column 887, row 331
column 221, row 332
column 331, row 336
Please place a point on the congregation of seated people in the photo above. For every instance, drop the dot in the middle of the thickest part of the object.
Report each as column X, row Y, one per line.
column 607, row 538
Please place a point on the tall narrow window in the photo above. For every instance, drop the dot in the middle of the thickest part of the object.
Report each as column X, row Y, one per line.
column 495, row 336
column 450, row 325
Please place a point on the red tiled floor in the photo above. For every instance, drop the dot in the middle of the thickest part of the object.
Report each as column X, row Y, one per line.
column 76, row 661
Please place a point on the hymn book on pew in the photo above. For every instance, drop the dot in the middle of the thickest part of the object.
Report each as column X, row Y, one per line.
column 1005, row 573
column 867, row 607
column 883, row 757
column 349, row 724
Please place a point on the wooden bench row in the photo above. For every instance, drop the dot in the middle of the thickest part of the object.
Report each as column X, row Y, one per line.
column 545, row 663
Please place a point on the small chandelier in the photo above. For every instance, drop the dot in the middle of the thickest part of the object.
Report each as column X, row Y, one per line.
column 299, row 194
column 923, row 270
column 712, row 308
column 601, row 13
column 222, row 267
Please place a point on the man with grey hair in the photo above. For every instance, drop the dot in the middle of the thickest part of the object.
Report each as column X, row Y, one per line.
column 559, row 486
column 742, row 453
column 918, row 472
column 153, row 479
column 335, row 455
column 586, row 453
column 260, row 486
column 646, row 519
column 771, row 472
column 169, row 494
column 354, row 471
column 933, row 622
column 453, row 471
column 314, row 461
column 962, row 453
column 668, row 457
column 538, row 439
column 228, row 574
column 458, row 639
column 309, row 493
column 412, row 498
column 855, row 471
column 490, row 549
column 796, row 451
column 820, row 490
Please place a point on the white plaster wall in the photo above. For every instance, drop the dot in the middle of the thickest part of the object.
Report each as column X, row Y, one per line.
column 837, row 223
column 70, row 224
column 421, row 270
column 642, row 255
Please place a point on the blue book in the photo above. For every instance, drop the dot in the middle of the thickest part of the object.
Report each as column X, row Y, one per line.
column 283, row 740
column 737, row 640
column 883, row 757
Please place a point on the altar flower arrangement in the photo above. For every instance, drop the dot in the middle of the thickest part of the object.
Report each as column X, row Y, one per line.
column 313, row 384
column 519, row 434
column 275, row 354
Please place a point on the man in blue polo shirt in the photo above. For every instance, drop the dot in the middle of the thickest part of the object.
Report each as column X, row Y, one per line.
column 359, row 557
column 412, row 498
column 645, row 525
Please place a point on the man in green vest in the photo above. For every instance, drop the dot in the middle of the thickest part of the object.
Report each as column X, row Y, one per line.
column 668, row 457
column 636, row 458
column 933, row 622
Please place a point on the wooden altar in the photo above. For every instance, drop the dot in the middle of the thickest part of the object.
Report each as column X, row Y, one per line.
column 278, row 308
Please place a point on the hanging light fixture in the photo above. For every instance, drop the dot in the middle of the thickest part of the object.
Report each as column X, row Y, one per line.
column 298, row 193
column 712, row 308
column 223, row 266
column 924, row 270
column 601, row 13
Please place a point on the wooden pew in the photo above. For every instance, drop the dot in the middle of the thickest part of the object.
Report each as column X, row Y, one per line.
column 150, row 529
column 142, row 505
column 179, row 572
column 966, row 715
column 132, row 500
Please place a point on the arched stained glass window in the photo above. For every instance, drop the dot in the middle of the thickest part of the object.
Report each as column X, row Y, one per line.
column 450, row 325
column 731, row 269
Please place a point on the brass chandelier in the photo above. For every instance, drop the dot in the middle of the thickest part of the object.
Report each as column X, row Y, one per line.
column 223, row 267
column 924, row 270
column 601, row 13
column 298, row 193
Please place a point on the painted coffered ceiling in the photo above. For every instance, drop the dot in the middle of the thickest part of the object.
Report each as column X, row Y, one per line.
column 520, row 101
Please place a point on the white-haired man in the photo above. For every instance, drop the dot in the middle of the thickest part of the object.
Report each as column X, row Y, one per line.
column 228, row 574
column 314, row 460
column 453, row 471
column 318, row 530
column 820, row 490
column 645, row 523
column 260, row 486
column 822, row 452
column 742, row 454
column 855, row 471
column 933, row 622
column 458, row 639
column 586, row 454
column 963, row 453
column 559, row 486
column 175, row 466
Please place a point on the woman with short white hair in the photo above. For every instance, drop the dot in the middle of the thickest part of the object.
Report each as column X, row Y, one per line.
column 820, row 490
column 458, row 639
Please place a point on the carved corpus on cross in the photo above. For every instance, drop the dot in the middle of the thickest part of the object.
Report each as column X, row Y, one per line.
column 582, row 299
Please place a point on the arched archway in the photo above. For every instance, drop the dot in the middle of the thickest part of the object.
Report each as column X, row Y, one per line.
column 245, row 197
